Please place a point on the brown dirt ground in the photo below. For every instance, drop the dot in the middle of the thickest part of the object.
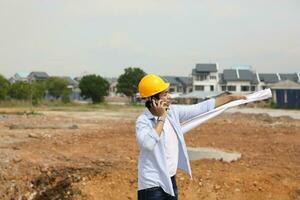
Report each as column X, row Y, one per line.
column 99, row 159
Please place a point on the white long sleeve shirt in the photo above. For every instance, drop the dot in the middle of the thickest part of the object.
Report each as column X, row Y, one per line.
column 153, row 169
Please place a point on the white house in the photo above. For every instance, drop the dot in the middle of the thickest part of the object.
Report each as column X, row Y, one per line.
column 37, row 76
column 238, row 81
column 20, row 76
column 113, row 82
column 266, row 80
column 205, row 77
column 179, row 84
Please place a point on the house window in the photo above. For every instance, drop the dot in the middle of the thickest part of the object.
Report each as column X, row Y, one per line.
column 231, row 88
column 199, row 88
column 223, row 87
column 211, row 88
column 245, row 88
column 179, row 89
column 171, row 90
column 253, row 88
column 201, row 77
column 213, row 77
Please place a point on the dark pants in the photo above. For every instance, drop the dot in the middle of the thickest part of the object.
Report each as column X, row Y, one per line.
column 157, row 193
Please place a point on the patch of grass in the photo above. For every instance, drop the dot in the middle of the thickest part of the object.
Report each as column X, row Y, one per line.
column 272, row 104
column 20, row 112
column 14, row 104
column 137, row 104
column 22, row 107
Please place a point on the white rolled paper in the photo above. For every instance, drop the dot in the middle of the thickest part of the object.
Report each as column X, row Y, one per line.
column 196, row 121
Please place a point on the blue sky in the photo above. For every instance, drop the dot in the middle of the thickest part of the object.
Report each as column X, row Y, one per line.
column 166, row 37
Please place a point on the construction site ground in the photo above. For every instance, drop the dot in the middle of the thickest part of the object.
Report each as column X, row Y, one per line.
column 93, row 154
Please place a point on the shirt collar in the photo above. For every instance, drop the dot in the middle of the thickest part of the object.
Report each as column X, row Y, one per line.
column 149, row 114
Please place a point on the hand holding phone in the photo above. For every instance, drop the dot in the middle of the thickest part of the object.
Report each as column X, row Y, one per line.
column 159, row 107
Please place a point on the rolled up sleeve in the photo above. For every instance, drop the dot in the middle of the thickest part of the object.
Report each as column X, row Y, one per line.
column 186, row 112
column 147, row 136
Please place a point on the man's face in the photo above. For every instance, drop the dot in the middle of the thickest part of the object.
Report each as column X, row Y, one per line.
column 165, row 96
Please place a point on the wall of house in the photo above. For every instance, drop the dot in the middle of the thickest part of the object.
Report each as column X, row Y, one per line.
column 207, row 83
column 238, row 85
column 286, row 98
column 189, row 89
column 173, row 88
column 113, row 89
column 263, row 85
column 177, row 89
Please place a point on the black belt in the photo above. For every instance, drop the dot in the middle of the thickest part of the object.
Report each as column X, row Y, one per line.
column 173, row 179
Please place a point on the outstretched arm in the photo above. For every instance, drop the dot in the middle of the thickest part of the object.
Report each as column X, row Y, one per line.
column 186, row 112
column 227, row 98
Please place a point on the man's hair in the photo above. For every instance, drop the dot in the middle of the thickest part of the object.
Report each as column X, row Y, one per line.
column 148, row 103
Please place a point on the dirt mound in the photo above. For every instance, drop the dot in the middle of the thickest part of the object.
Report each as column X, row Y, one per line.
column 57, row 184
column 98, row 160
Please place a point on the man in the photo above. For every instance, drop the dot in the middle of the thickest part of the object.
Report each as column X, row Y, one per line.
column 161, row 142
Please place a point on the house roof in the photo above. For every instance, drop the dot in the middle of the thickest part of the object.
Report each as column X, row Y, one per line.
column 70, row 80
column 291, row 77
column 286, row 84
column 178, row 80
column 238, row 75
column 172, row 80
column 230, row 75
column 268, row 78
column 42, row 75
column 77, row 78
column 205, row 67
column 22, row 74
column 247, row 75
column 186, row 80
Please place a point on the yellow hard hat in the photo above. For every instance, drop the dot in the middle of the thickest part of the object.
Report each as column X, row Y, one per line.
column 151, row 85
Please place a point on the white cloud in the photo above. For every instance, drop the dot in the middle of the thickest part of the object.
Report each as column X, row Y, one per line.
column 119, row 7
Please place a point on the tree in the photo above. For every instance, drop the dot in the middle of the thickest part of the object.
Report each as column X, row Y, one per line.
column 38, row 89
column 4, row 87
column 65, row 97
column 94, row 87
column 56, row 86
column 128, row 82
column 20, row 90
